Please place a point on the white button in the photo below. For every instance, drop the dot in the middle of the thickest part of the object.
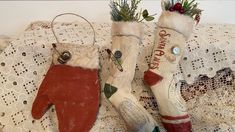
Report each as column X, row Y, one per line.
column 176, row 50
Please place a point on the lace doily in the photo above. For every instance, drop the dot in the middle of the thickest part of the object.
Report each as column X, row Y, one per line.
column 211, row 101
column 25, row 61
column 208, row 50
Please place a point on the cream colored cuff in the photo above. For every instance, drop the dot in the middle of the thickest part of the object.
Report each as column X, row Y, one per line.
column 178, row 22
column 83, row 56
column 127, row 28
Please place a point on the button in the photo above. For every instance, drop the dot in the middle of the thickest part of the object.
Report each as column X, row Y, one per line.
column 64, row 57
column 176, row 50
column 118, row 54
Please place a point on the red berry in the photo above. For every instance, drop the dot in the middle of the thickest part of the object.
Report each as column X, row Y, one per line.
column 178, row 6
column 172, row 9
column 197, row 18
column 181, row 11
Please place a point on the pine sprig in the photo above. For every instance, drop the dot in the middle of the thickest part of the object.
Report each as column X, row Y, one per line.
column 115, row 13
column 122, row 10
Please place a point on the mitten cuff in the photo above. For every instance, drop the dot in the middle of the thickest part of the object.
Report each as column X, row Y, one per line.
column 179, row 22
column 82, row 56
column 127, row 28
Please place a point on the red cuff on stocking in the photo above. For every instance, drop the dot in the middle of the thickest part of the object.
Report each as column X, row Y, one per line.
column 151, row 78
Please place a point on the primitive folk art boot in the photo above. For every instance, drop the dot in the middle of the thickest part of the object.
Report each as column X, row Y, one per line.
column 174, row 28
column 126, row 37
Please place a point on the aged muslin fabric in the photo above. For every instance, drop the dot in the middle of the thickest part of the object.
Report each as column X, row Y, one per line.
column 126, row 39
column 202, row 80
column 170, row 41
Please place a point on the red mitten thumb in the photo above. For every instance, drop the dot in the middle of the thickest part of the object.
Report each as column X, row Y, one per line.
column 41, row 102
column 40, row 106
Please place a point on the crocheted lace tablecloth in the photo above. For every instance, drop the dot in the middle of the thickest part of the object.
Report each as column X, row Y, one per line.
column 205, row 76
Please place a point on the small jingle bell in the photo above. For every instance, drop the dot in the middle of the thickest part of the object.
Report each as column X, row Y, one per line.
column 118, row 54
column 64, row 57
column 176, row 50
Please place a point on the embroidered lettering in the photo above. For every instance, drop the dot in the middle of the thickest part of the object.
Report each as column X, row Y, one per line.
column 159, row 51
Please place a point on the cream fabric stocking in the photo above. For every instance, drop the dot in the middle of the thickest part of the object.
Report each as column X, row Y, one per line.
column 172, row 31
column 126, row 37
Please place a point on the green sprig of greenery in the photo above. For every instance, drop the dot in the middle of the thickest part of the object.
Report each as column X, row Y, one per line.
column 121, row 10
column 191, row 8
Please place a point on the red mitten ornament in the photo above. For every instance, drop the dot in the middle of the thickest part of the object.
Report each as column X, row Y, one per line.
column 72, row 87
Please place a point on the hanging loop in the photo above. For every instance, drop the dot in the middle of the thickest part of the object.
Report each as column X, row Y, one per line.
column 63, row 14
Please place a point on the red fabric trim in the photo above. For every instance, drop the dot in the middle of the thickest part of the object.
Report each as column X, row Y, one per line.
column 151, row 78
column 175, row 117
column 182, row 127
